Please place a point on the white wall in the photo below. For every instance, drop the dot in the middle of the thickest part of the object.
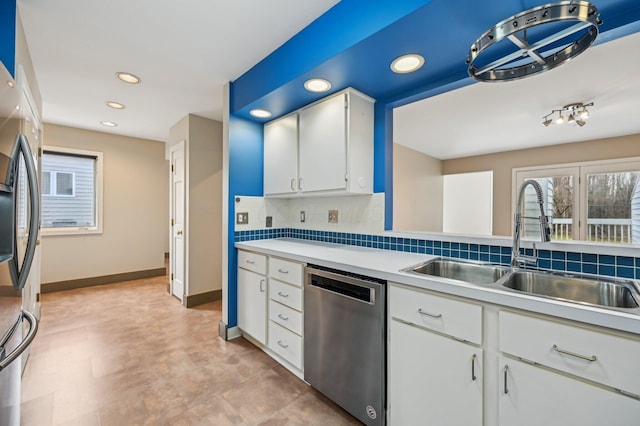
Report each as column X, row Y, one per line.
column 356, row 214
column 136, row 199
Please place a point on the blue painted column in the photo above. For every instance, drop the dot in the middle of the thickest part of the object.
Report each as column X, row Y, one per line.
column 246, row 152
column 8, row 34
column 383, row 158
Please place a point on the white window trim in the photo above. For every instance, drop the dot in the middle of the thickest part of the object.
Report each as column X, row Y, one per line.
column 82, row 230
column 579, row 171
column 53, row 183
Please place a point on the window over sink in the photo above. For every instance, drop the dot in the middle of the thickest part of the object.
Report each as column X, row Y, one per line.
column 591, row 201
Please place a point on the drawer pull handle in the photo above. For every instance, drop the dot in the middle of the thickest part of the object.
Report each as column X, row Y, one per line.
column 282, row 344
column 421, row 312
column 250, row 262
column 282, row 271
column 293, row 184
column 473, row 368
column 281, row 294
column 262, row 286
column 506, row 370
column 591, row 358
column 283, row 318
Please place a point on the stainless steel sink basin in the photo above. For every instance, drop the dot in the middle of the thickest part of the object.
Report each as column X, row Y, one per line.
column 612, row 293
column 467, row 271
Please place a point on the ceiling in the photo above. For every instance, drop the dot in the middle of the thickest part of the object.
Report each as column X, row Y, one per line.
column 184, row 51
column 493, row 117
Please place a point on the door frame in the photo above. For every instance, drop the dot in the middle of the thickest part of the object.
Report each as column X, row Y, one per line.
column 180, row 146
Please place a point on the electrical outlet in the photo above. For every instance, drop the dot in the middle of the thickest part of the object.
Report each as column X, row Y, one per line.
column 333, row 216
column 302, row 216
column 269, row 222
column 242, row 218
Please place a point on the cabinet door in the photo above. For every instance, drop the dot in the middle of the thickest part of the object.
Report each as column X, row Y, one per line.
column 323, row 146
column 536, row 396
column 252, row 304
column 281, row 156
column 433, row 380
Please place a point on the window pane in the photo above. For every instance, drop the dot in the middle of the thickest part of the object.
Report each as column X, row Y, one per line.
column 69, row 206
column 613, row 207
column 46, row 183
column 64, row 183
column 557, row 198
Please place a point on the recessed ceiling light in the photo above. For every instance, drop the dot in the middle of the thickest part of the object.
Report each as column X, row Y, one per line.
column 108, row 123
column 317, row 85
column 115, row 105
column 128, row 78
column 407, row 63
column 260, row 113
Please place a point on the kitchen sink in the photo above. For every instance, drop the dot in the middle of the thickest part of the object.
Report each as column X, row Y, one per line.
column 612, row 293
column 467, row 271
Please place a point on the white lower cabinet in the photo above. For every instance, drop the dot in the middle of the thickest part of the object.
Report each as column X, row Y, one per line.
column 435, row 376
column 252, row 304
column 433, row 380
column 532, row 395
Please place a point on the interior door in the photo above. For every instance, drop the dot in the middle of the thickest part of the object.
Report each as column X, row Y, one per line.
column 177, row 217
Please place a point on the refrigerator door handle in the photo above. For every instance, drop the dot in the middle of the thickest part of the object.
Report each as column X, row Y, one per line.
column 19, row 273
column 33, row 329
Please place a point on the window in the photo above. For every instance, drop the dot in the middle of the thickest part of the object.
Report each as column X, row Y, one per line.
column 71, row 182
column 592, row 201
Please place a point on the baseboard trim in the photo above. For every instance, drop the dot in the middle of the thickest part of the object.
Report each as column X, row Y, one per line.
column 101, row 280
column 202, row 298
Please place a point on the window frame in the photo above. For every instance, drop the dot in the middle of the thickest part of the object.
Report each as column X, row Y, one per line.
column 98, row 196
column 579, row 171
column 53, row 183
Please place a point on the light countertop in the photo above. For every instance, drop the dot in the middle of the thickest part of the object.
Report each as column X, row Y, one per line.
column 387, row 264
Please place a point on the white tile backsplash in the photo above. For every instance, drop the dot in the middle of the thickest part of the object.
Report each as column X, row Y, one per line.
column 356, row 214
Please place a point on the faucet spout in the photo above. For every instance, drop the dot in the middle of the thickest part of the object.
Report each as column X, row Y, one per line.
column 518, row 259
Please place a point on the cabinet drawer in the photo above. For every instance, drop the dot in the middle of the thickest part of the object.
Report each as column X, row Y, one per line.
column 285, row 316
column 598, row 356
column 285, row 270
column 252, row 261
column 286, row 294
column 286, row 344
column 453, row 317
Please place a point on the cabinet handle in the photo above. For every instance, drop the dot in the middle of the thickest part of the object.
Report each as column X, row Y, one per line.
column 281, row 294
column 250, row 262
column 300, row 183
column 283, row 318
column 473, row 368
column 421, row 312
column 282, row 344
column 282, row 271
column 293, row 184
column 262, row 286
column 179, row 233
column 573, row 354
column 506, row 370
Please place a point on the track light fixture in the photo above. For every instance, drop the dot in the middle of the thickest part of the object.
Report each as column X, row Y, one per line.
column 574, row 114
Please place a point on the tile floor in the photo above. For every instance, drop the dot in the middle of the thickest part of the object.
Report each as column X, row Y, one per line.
column 129, row 354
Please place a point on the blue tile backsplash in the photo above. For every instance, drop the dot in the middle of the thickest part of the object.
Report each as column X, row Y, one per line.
column 586, row 263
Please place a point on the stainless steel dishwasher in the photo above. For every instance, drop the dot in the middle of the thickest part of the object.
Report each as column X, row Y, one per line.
column 345, row 340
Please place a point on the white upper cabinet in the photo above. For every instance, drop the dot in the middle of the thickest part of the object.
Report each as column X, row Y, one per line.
column 334, row 150
column 281, row 156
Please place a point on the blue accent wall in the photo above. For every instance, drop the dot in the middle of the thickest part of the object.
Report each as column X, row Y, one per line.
column 383, row 158
column 8, row 35
column 246, row 152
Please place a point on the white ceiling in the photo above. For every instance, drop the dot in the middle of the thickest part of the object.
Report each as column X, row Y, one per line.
column 492, row 117
column 184, row 51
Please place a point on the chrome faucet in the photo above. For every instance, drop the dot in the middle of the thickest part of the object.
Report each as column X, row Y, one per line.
column 518, row 259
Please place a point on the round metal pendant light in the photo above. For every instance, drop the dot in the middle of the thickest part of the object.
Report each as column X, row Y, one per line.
column 574, row 27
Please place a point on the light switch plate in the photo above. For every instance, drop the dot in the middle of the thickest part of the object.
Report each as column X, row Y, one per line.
column 269, row 222
column 302, row 216
column 333, row 216
column 242, row 218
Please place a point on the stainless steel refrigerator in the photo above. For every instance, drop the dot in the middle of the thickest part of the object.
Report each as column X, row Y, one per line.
column 19, row 237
